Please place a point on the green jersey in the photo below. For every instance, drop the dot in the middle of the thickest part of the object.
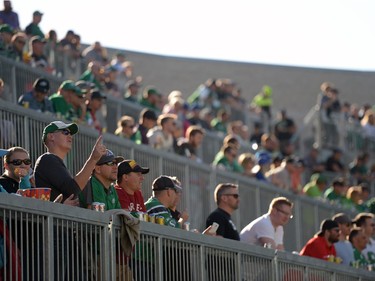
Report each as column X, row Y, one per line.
column 157, row 209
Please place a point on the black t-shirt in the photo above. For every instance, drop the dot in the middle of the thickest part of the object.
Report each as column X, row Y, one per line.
column 9, row 184
column 227, row 229
column 50, row 171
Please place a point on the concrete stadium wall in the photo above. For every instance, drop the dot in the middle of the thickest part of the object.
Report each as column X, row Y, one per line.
column 295, row 88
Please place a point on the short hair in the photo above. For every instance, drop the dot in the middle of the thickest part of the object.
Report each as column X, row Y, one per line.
column 354, row 232
column 246, row 158
column 220, row 189
column 230, row 139
column 163, row 118
column 193, row 130
column 278, row 201
column 123, row 122
column 12, row 150
column 361, row 218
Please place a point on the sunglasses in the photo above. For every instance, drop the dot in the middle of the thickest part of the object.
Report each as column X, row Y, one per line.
column 235, row 196
column 110, row 163
column 65, row 132
column 18, row 162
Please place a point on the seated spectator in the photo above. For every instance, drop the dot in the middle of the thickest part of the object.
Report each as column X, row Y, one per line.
column 343, row 247
column 220, row 122
column 226, row 159
column 95, row 52
column 161, row 136
column 358, row 240
column 6, row 33
column 256, row 135
column 147, row 121
column 164, row 193
column 227, row 199
column 180, row 217
column 151, row 98
column 366, row 222
column 78, row 109
column 336, row 193
column 50, row 169
column 192, row 141
column 269, row 228
column 61, row 100
column 247, row 162
column 33, row 28
column 94, row 110
column 316, row 186
column 125, row 129
column 263, row 160
column 131, row 91
column 312, row 163
column 334, row 162
column 368, row 124
column 17, row 164
column 36, row 57
column 15, row 50
column 5, row 95
column 354, row 199
column 321, row 246
column 37, row 98
column 130, row 177
column 205, row 118
column 285, row 128
column 100, row 186
column 110, row 84
column 206, row 95
column 358, row 168
column 94, row 74
column 269, row 144
column 282, row 176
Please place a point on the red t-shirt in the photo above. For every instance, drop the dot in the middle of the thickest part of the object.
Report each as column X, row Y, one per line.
column 317, row 247
column 131, row 203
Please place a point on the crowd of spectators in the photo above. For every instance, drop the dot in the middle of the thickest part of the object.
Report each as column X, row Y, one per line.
column 178, row 125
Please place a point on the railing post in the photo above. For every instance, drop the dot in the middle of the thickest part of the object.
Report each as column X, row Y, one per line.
column 49, row 265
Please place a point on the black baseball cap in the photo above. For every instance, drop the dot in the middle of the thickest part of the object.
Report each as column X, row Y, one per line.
column 109, row 157
column 164, row 183
column 41, row 85
column 327, row 225
column 128, row 166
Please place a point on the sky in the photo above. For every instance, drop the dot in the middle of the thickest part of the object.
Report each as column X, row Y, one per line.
column 332, row 34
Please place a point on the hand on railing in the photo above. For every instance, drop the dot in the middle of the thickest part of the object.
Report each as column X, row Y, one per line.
column 71, row 202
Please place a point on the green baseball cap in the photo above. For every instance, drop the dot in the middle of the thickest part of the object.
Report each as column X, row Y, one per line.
column 59, row 125
column 6, row 28
column 69, row 85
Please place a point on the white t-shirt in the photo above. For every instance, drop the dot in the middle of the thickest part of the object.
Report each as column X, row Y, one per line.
column 262, row 227
column 369, row 251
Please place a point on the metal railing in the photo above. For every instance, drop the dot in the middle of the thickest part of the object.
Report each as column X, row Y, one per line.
column 48, row 241
column 199, row 180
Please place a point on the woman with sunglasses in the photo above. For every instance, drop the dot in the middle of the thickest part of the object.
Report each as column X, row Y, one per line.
column 17, row 165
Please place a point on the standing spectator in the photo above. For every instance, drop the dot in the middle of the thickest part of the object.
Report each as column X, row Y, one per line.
column 164, row 192
column 227, row 199
column 99, row 187
column 50, row 169
column 130, row 177
column 368, row 124
column 358, row 240
column 262, row 105
column 269, row 228
column 193, row 140
column 8, row 16
column 161, row 137
column 344, row 249
column 33, row 28
column 366, row 222
column 37, row 98
column 147, row 121
column 321, row 246
column 17, row 165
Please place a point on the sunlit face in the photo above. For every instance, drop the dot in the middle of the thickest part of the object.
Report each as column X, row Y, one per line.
column 107, row 171
column 231, row 198
column 14, row 165
column 133, row 181
column 62, row 139
column 282, row 214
